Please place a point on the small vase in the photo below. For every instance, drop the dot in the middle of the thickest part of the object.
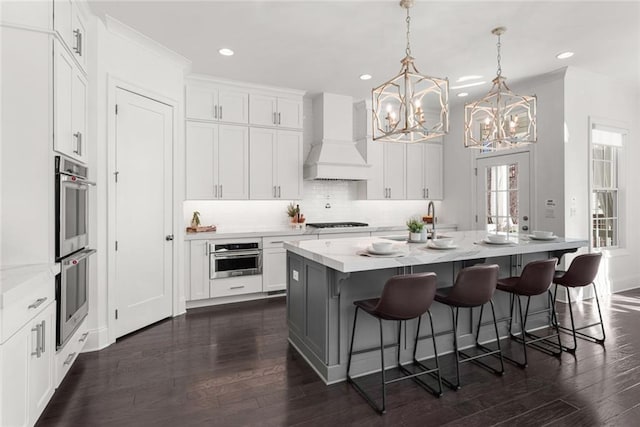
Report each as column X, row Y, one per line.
column 415, row 237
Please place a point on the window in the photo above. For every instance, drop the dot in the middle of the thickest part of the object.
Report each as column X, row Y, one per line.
column 606, row 146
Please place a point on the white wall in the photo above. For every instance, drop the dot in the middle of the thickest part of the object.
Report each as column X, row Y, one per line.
column 592, row 95
column 119, row 53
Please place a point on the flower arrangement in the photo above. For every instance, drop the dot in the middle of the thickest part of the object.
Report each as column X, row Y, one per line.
column 414, row 225
column 293, row 211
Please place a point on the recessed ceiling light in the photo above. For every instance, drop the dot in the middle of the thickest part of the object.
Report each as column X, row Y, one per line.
column 564, row 55
column 467, row 85
column 463, row 94
column 365, row 77
column 467, row 78
column 225, row 51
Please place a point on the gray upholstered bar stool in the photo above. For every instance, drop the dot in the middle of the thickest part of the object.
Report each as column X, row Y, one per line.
column 582, row 272
column 535, row 279
column 403, row 298
column 474, row 287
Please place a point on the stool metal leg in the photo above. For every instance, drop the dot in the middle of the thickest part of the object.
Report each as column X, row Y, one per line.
column 435, row 355
column 486, row 350
column 384, row 384
column 353, row 335
column 576, row 331
column 495, row 327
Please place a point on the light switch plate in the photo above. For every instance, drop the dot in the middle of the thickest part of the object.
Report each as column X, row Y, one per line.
column 295, row 275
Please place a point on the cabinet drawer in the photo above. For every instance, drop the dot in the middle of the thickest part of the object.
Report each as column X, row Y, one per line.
column 23, row 303
column 67, row 355
column 278, row 241
column 235, row 286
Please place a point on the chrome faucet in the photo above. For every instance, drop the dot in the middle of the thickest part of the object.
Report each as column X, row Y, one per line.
column 431, row 212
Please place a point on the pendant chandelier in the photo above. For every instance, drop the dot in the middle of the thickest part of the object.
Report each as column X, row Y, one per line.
column 501, row 119
column 410, row 107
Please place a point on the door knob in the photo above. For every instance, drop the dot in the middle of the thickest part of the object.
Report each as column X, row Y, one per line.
column 525, row 218
column 525, row 228
column 169, row 237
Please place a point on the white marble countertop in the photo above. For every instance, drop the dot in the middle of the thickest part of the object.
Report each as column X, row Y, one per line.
column 17, row 275
column 285, row 230
column 341, row 254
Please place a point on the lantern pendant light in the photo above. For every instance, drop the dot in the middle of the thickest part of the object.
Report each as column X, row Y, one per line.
column 501, row 119
column 410, row 107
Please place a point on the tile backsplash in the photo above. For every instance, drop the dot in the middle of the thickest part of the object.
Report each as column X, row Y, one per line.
column 323, row 201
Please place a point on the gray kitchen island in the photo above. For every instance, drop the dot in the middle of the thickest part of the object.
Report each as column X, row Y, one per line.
column 324, row 277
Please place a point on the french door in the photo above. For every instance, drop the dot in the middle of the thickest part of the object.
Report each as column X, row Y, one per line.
column 503, row 193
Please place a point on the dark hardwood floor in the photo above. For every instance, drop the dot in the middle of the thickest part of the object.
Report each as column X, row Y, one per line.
column 232, row 366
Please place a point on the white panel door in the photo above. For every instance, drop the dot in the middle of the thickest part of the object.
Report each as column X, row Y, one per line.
column 433, row 171
column 201, row 103
column 143, row 212
column 200, row 142
column 289, row 165
column 274, row 272
column 262, row 110
column 262, row 163
column 64, row 75
column 41, row 367
column 503, row 193
column 416, row 171
column 290, row 113
column 199, row 270
column 79, row 117
column 232, row 162
column 233, row 106
column 394, row 170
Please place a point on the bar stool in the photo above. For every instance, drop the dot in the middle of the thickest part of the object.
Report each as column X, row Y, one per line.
column 403, row 298
column 474, row 287
column 535, row 279
column 582, row 272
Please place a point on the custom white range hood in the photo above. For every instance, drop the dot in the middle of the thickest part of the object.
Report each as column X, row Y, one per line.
column 333, row 153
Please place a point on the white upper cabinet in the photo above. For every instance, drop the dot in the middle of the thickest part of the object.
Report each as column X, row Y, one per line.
column 275, row 159
column 70, row 112
column 70, row 24
column 424, row 171
column 274, row 111
column 215, row 103
column 387, row 178
column 217, row 161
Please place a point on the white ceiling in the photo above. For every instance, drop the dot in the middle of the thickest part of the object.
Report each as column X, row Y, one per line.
column 325, row 45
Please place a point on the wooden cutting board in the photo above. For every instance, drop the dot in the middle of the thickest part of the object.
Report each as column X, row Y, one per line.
column 201, row 229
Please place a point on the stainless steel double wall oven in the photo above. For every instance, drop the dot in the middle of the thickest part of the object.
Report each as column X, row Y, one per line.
column 72, row 219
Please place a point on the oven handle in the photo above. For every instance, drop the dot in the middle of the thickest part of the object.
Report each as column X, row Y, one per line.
column 75, row 180
column 227, row 255
column 75, row 258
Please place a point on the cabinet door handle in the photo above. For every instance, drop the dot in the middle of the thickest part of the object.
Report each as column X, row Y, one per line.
column 275, row 194
column 221, row 191
column 215, row 191
column 237, row 287
column 215, row 111
column 43, row 335
column 78, row 150
column 69, row 359
column 220, row 112
column 37, row 303
column 37, row 331
column 83, row 337
column 427, row 193
column 78, row 47
column 275, row 122
column 279, row 194
column 279, row 118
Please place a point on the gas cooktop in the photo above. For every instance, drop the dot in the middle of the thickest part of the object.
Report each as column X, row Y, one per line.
column 337, row 224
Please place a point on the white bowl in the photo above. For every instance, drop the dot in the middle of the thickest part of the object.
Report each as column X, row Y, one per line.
column 442, row 243
column 382, row 246
column 542, row 234
column 496, row 238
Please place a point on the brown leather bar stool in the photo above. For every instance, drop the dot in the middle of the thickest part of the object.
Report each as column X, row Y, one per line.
column 474, row 287
column 535, row 279
column 582, row 272
column 403, row 298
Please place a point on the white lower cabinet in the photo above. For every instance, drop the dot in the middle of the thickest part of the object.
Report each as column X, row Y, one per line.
column 198, row 270
column 67, row 355
column 274, row 261
column 230, row 286
column 26, row 364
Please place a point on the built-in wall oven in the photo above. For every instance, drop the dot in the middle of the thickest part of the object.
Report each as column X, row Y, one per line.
column 235, row 258
column 71, row 221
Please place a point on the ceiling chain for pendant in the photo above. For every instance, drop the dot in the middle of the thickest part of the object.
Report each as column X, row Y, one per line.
column 408, row 50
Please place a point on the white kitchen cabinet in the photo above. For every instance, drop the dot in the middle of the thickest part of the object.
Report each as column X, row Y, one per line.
column 67, row 355
column 70, row 24
column 275, row 111
column 274, row 261
column 275, row 159
column 27, row 348
column 217, row 103
column 217, row 161
column 198, row 270
column 387, row 176
column 70, row 112
column 424, row 171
